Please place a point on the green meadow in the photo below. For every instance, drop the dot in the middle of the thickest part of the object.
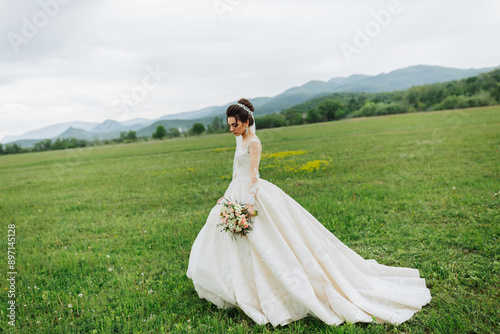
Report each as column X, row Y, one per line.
column 103, row 234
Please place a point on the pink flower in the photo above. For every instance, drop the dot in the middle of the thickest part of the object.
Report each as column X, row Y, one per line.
column 231, row 210
column 243, row 221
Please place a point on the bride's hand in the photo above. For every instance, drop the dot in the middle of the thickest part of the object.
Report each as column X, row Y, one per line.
column 220, row 199
column 250, row 209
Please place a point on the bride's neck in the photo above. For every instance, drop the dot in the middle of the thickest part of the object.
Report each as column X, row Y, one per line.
column 245, row 135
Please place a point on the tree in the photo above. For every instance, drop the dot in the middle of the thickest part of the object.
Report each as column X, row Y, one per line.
column 450, row 102
column 361, row 99
column 296, row 120
column 217, row 124
column 124, row 135
column 160, row 132
column 173, row 132
column 413, row 96
column 270, row 121
column 328, row 108
column 12, row 148
column 313, row 116
column 369, row 109
column 132, row 135
column 58, row 144
column 292, row 116
column 198, row 128
column 46, row 143
column 43, row 145
column 38, row 146
column 71, row 142
column 1, row 149
column 276, row 120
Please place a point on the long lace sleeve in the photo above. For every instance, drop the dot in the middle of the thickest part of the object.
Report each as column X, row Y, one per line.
column 255, row 150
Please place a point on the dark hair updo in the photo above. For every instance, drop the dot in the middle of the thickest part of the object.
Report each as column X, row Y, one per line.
column 239, row 113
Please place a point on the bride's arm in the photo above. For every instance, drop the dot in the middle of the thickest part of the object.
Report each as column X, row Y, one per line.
column 255, row 150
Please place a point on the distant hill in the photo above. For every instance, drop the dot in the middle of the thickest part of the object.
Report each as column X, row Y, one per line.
column 138, row 122
column 407, row 77
column 476, row 91
column 213, row 111
column 50, row 131
column 400, row 79
column 77, row 133
column 108, row 126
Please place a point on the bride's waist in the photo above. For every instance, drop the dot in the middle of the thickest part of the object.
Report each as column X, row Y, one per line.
column 242, row 177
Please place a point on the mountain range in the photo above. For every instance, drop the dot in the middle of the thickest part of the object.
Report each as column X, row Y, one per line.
column 400, row 79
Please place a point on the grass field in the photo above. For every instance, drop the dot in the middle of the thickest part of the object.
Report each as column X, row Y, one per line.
column 103, row 234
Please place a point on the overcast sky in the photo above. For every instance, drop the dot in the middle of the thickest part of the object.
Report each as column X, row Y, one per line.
column 92, row 60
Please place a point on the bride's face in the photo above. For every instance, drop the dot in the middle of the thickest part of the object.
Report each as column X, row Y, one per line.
column 236, row 130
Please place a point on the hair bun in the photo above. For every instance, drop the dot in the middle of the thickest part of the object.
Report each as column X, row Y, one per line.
column 247, row 103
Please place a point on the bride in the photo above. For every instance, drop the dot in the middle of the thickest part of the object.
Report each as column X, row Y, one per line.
column 290, row 266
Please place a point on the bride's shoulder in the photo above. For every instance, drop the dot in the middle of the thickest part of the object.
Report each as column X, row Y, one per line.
column 255, row 139
column 254, row 144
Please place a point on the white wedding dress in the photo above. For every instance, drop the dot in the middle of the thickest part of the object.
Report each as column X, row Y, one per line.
column 290, row 266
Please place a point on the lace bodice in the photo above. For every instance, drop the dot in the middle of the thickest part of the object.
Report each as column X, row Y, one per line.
column 246, row 165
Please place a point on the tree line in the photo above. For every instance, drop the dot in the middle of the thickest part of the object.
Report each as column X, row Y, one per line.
column 482, row 90
column 66, row 143
column 216, row 126
column 72, row 142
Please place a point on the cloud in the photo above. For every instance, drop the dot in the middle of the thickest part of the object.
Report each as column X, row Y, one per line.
column 90, row 54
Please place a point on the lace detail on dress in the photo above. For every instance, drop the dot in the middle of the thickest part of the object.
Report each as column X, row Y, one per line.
column 255, row 150
column 246, row 166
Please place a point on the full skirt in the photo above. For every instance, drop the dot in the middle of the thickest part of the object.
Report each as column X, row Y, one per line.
column 290, row 266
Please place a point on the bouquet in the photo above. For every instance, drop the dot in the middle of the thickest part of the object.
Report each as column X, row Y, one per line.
column 235, row 218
